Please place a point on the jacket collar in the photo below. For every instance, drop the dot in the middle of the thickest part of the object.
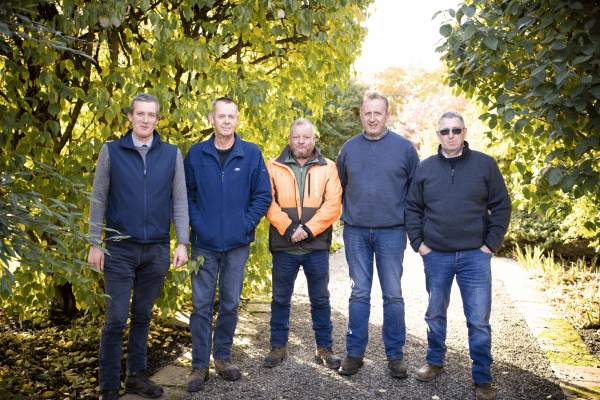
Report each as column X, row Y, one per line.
column 286, row 152
column 465, row 151
column 237, row 151
column 127, row 140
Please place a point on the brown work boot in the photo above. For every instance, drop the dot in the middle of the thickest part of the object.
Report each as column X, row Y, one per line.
column 326, row 356
column 350, row 365
column 227, row 370
column 275, row 356
column 484, row 391
column 429, row 371
column 196, row 379
column 398, row 368
column 139, row 383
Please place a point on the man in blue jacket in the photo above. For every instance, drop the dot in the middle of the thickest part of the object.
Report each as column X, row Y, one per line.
column 457, row 213
column 139, row 186
column 228, row 193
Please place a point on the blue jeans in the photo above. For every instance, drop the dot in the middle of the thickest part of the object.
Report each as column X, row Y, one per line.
column 228, row 268
column 387, row 244
column 472, row 269
column 141, row 269
column 285, row 271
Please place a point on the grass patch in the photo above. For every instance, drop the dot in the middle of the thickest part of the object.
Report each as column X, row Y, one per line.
column 573, row 288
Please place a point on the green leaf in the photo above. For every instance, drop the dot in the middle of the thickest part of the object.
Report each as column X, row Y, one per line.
column 567, row 182
column 446, row 30
column 520, row 124
column 558, row 46
column 580, row 59
column 491, row 42
column 581, row 148
column 554, row 175
column 561, row 77
column 596, row 91
column 54, row 109
column 469, row 10
column 509, row 115
column 580, row 105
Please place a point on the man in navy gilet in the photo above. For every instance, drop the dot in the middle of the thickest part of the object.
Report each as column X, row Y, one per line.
column 139, row 187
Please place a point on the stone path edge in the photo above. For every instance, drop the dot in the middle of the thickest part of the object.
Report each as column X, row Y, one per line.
column 573, row 365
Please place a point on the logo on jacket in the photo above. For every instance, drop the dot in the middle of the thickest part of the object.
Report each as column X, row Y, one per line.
column 237, row 169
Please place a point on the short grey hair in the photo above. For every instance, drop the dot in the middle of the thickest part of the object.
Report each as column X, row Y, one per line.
column 372, row 95
column 225, row 100
column 144, row 97
column 302, row 121
column 451, row 115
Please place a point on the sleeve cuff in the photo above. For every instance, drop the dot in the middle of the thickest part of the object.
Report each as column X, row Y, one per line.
column 290, row 231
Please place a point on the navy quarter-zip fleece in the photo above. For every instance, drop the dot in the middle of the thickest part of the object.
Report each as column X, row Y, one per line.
column 461, row 208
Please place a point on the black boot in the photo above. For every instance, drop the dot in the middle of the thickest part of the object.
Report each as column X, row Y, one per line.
column 138, row 382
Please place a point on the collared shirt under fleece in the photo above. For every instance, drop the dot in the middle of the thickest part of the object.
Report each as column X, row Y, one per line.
column 316, row 210
column 102, row 188
column 226, row 203
column 455, row 209
column 375, row 176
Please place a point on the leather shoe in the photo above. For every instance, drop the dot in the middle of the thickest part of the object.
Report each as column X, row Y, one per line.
column 350, row 365
column 325, row 355
column 196, row 379
column 275, row 356
column 484, row 391
column 227, row 370
column 398, row 368
column 429, row 371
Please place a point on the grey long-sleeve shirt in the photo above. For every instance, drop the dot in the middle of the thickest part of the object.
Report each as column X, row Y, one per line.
column 102, row 185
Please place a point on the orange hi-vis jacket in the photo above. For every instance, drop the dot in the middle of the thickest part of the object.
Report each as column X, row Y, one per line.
column 320, row 207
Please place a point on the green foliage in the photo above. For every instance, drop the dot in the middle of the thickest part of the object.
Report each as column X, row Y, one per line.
column 59, row 107
column 574, row 289
column 534, row 65
column 41, row 235
column 531, row 229
column 341, row 118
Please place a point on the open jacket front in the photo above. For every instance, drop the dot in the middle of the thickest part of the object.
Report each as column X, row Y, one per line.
column 318, row 210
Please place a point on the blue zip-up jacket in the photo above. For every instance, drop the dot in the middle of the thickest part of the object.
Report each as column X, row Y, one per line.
column 226, row 203
column 140, row 200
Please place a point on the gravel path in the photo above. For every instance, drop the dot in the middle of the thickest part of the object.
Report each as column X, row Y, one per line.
column 520, row 370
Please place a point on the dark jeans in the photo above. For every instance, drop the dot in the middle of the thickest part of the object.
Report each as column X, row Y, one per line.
column 387, row 246
column 472, row 269
column 228, row 268
column 285, row 271
column 137, row 268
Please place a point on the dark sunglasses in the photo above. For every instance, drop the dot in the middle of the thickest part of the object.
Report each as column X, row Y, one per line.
column 455, row 131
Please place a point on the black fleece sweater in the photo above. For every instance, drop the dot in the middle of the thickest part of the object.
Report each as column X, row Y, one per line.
column 457, row 209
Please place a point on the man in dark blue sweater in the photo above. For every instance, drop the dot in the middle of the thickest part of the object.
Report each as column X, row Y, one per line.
column 457, row 213
column 375, row 170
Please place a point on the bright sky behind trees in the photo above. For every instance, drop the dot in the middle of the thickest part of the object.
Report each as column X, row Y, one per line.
column 402, row 32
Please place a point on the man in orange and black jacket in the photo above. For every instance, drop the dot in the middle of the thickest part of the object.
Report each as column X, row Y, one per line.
column 307, row 197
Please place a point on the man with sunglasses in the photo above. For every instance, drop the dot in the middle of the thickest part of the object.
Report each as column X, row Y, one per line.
column 457, row 213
